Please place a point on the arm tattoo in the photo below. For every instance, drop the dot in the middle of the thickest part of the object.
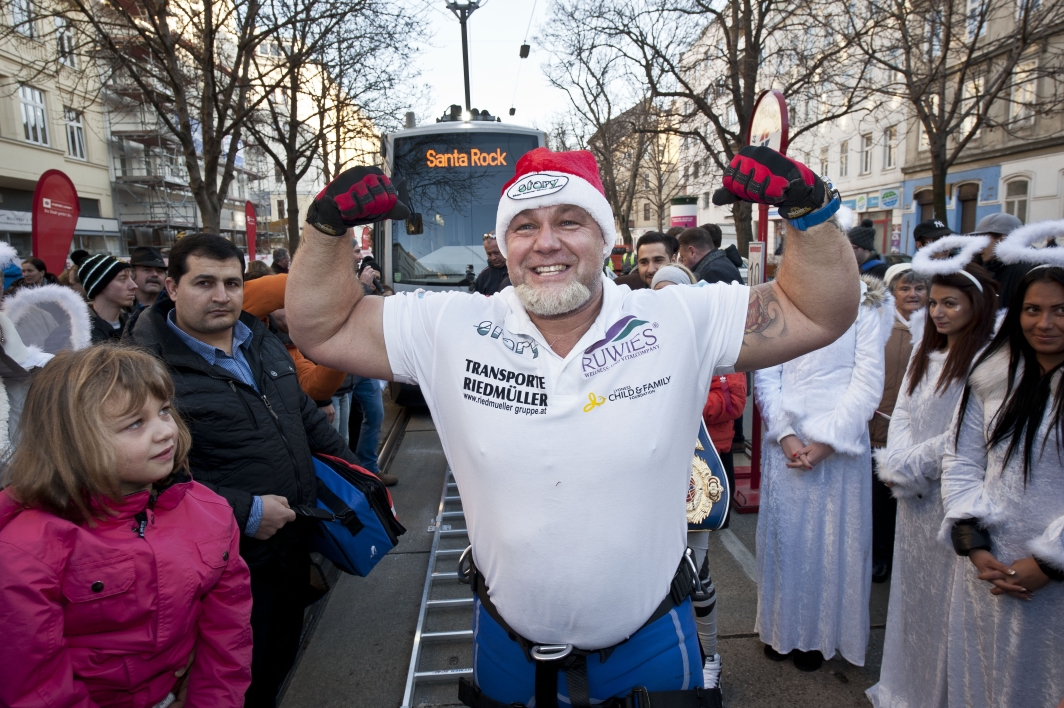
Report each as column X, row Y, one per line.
column 764, row 316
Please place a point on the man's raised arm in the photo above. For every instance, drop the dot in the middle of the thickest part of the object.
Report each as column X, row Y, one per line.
column 329, row 318
column 814, row 298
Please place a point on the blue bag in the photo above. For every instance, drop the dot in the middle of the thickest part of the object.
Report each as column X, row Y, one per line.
column 356, row 518
column 708, row 493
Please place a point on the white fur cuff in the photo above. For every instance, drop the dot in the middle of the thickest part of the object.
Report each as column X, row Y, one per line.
column 1049, row 547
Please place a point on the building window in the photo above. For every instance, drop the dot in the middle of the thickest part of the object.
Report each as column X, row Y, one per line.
column 22, row 17
column 706, row 203
column 1024, row 94
column 64, row 41
column 278, row 176
column 925, row 205
column 1016, row 199
column 890, row 147
column 34, row 118
column 646, row 181
column 967, row 198
column 844, row 158
column 280, row 209
column 694, row 170
column 686, row 171
column 866, row 153
column 970, row 99
column 977, row 18
column 646, row 211
column 75, row 133
column 824, row 151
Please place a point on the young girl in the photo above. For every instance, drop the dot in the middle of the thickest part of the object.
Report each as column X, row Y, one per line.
column 1003, row 493
column 117, row 572
column 960, row 321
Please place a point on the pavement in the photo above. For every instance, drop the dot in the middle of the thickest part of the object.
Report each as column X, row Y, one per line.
column 358, row 653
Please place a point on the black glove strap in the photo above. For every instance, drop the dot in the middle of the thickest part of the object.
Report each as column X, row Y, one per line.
column 1051, row 572
column 967, row 536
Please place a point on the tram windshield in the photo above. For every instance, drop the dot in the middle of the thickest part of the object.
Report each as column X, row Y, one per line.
column 453, row 181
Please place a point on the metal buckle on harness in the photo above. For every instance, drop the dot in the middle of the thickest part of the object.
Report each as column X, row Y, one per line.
column 550, row 652
column 640, row 697
column 465, row 576
column 698, row 593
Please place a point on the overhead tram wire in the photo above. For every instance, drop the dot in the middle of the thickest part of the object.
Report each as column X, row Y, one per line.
column 524, row 55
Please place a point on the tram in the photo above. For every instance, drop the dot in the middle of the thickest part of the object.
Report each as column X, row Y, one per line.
column 450, row 174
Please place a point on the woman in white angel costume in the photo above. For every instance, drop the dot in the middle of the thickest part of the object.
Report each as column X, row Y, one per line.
column 1003, row 493
column 959, row 323
column 35, row 324
column 814, row 528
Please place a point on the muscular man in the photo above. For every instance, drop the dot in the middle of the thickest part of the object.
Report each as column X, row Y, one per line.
column 578, row 550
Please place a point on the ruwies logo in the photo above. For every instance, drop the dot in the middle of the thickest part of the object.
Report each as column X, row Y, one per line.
column 625, row 339
column 537, row 185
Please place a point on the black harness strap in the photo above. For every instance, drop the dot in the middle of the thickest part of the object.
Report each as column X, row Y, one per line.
column 472, row 696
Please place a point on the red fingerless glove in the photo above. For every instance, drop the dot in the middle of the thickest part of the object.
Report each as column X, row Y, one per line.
column 360, row 195
column 762, row 175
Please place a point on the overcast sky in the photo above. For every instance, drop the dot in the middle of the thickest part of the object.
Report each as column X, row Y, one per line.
column 496, row 31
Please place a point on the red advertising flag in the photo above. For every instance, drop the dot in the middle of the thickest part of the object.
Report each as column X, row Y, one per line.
column 250, row 225
column 55, row 216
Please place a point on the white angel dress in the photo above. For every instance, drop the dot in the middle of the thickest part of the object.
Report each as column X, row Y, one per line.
column 1004, row 651
column 814, row 527
column 913, row 673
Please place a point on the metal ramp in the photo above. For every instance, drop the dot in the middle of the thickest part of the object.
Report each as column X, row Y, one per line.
column 443, row 639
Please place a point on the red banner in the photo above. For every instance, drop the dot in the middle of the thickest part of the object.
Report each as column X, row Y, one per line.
column 250, row 224
column 55, row 216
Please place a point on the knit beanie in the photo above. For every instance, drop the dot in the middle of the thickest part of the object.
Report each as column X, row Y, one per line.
column 546, row 178
column 99, row 270
column 671, row 274
column 864, row 236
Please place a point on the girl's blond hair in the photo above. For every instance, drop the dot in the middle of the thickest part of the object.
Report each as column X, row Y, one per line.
column 63, row 459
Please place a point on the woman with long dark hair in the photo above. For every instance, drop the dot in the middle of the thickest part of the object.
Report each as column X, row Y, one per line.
column 1003, row 492
column 959, row 323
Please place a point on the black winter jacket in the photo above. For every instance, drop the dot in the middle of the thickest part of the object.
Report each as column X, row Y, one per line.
column 716, row 267
column 246, row 443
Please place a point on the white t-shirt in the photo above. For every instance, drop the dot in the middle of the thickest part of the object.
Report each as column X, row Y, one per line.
column 573, row 471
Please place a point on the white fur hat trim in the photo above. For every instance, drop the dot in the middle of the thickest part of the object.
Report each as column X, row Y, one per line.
column 1016, row 247
column 7, row 254
column 544, row 189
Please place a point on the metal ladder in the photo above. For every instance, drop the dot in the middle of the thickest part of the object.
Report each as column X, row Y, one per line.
column 443, row 640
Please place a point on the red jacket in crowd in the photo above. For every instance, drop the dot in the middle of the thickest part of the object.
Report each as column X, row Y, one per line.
column 97, row 615
column 727, row 398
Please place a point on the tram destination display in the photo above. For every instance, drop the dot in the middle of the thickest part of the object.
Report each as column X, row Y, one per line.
column 453, row 181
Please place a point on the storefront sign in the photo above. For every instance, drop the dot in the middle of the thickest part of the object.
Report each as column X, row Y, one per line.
column 55, row 216
column 250, row 224
column 873, row 201
column 888, row 198
column 861, row 203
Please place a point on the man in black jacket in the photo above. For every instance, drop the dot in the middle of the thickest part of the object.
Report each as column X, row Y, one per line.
column 705, row 260
column 253, row 434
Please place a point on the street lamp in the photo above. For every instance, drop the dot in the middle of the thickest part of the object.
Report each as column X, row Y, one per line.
column 462, row 10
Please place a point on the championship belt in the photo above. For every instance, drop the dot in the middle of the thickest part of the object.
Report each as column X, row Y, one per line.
column 708, row 493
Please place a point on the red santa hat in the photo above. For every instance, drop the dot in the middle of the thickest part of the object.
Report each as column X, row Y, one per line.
column 546, row 178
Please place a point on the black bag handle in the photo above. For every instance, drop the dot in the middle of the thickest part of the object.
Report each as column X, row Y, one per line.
column 340, row 509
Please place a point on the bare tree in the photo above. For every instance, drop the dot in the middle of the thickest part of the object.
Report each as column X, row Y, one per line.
column 659, row 177
column 976, row 73
column 193, row 65
column 710, row 61
column 605, row 115
column 338, row 74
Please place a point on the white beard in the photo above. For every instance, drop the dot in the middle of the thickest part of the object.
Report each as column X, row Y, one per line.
column 550, row 302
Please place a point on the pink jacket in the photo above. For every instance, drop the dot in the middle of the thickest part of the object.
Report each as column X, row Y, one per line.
column 98, row 615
